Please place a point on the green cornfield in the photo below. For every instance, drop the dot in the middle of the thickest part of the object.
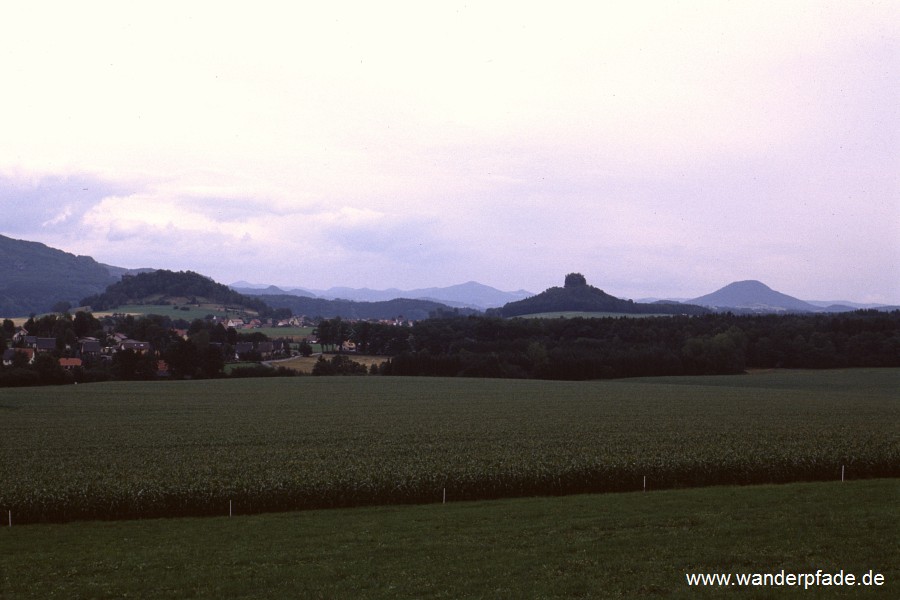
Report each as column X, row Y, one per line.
column 166, row 449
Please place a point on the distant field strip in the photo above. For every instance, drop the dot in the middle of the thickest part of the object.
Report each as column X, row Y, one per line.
column 129, row 450
column 589, row 315
column 305, row 364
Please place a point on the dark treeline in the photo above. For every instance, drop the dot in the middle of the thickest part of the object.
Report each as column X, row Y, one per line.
column 574, row 349
column 583, row 348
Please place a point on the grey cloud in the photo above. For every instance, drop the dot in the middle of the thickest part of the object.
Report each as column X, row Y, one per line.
column 51, row 203
column 229, row 209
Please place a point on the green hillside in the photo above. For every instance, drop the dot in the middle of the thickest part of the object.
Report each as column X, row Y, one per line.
column 162, row 286
column 34, row 277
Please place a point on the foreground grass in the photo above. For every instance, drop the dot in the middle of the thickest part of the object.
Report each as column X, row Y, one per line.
column 587, row 546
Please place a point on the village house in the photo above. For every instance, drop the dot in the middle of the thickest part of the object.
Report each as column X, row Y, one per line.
column 136, row 346
column 292, row 322
column 69, row 363
column 89, row 347
column 242, row 350
column 10, row 353
column 39, row 344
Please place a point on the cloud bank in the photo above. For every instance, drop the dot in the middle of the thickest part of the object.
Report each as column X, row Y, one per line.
column 662, row 149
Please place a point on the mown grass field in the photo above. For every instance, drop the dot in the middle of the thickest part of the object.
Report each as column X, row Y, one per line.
column 127, row 450
column 295, row 334
column 632, row 545
column 305, row 364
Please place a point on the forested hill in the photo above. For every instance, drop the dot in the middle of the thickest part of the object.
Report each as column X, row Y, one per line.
column 578, row 296
column 186, row 286
column 34, row 277
column 162, row 285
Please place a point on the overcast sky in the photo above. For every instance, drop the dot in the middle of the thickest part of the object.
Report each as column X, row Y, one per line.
column 660, row 148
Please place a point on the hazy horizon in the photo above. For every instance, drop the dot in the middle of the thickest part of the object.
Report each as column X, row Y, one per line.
column 661, row 149
column 289, row 287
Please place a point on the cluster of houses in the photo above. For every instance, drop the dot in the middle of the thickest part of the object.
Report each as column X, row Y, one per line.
column 264, row 350
column 91, row 349
column 87, row 349
column 257, row 323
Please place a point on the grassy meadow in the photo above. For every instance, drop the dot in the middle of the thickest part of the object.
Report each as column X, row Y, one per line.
column 174, row 311
column 305, row 364
column 629, row 545
column 193, row 448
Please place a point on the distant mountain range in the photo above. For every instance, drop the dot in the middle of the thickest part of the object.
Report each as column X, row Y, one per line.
column 35, row 278
column 411, row 309
column 464, row 295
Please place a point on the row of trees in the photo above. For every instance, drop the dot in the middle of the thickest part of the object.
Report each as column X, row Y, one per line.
column 367, row 337
column 590, row 348
column 626, row 347
column 578, row 348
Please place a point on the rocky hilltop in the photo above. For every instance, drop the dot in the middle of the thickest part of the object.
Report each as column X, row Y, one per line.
column 577, row 296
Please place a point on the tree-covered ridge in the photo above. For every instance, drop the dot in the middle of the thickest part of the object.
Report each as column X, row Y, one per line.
column 578, row 296
column 161, row 285
column 35, row 277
